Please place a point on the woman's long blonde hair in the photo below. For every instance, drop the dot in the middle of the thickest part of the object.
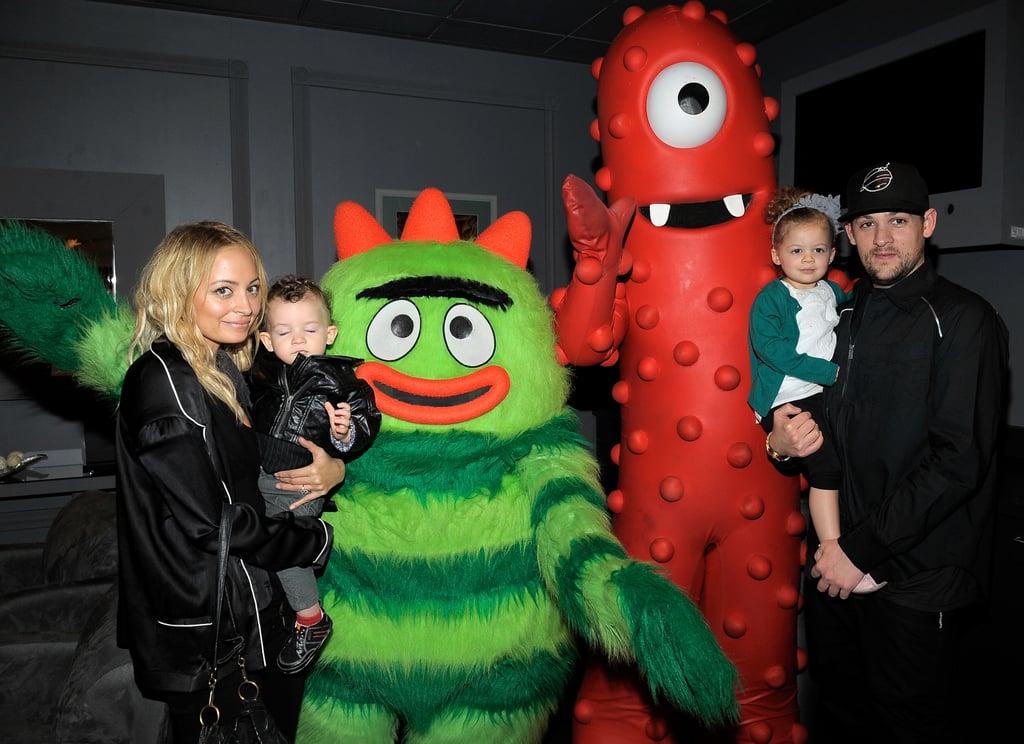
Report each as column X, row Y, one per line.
column 164, row 303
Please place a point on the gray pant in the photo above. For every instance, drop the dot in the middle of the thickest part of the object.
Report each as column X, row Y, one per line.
column 299, row 584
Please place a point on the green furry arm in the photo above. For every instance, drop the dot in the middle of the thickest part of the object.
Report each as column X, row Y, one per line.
column 674, row 646
column 622, row 606
column 629, row 610
column 55, row 308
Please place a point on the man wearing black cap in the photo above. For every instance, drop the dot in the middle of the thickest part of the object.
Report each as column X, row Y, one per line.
column 915, row 414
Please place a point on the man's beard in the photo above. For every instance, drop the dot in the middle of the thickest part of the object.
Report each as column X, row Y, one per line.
column 901, row 271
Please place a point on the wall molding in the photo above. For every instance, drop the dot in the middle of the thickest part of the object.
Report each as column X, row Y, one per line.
column 304, row 80
column 234, row 71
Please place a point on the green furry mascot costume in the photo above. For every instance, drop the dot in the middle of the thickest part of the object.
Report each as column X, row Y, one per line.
column 472, row 547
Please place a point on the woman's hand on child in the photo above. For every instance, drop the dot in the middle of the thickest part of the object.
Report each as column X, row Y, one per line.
column 314, row 480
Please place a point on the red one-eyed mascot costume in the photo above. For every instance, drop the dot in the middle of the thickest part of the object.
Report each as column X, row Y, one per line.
column 687, row 158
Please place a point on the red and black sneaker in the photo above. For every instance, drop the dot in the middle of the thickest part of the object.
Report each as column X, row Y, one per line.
column 304, row 645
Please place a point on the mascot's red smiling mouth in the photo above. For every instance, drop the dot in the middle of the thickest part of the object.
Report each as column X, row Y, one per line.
column 444, row 402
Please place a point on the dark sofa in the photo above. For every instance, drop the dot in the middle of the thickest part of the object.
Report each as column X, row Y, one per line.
column 62, row 678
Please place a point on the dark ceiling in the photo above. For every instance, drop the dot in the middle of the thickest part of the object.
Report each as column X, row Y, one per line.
column 568, row 30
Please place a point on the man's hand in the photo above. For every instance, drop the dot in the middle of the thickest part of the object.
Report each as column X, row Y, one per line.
column 314, row 480
column 835, row 572
column 794, row 432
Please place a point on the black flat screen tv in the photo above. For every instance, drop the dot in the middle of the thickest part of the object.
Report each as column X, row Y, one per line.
column 909, row 110
column 944, row 98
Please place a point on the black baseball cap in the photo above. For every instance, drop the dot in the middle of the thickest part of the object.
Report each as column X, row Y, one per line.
column 887, row 187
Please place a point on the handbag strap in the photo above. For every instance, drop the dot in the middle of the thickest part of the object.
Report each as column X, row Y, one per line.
column 223, row 544
column 209, row 714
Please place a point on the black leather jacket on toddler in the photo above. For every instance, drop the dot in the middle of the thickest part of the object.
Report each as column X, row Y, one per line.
column 288, row 402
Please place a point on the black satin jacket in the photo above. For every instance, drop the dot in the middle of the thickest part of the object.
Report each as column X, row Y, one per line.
column 288, row 402
column 180, row 456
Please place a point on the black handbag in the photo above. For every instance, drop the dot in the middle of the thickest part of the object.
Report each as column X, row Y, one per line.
column 254, row 724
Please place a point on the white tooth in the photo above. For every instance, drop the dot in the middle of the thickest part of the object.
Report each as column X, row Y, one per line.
column 659, row 214
column 734, row 203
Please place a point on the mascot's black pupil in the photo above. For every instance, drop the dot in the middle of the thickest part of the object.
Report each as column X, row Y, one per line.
column 460, row 327
column 693, row 98
column 402, row 326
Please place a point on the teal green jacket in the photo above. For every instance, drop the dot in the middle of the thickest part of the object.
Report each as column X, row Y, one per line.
column 773, row 335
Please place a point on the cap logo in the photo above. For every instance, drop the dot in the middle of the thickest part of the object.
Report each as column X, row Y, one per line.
column 877, row 179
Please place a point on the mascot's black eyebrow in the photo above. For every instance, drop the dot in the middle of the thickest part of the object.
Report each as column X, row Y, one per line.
column 438, row 286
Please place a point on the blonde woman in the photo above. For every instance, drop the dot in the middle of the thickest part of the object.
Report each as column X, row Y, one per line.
column 185, row 446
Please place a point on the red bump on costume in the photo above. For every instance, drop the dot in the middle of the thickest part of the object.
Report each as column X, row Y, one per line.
column 759, row 567
column 634, row 59
column 751, row 507
column 695, row 11
column 767, row 274
column 734, row 625
column 720, row 299
column 656, row 729
column 775, row 676
column 641, row 271
column 764, row 144
column 583, row 711
column 556, row 297
column 689, row 428
column 796, row 524
column 620, row 392
column 727, row 377
column 618, row 126
column 760, row 732
column 647, row 369
column 662, row 550
column 601, row 339
column 746, row 52
column 647, row 316
column 638, row 441
column 739, row 455
column 788, row 597
column 631, row 14
column 671, row 488
column 799, row 734
column 589, row 270
column 686, row 353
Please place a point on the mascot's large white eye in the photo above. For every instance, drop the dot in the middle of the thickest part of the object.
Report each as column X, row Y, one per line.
column 394, row 330
column 686, row 105
column 468, row 335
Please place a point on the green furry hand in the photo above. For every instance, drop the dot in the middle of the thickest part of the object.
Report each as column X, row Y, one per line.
column 675, row 648
column 55, row 308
